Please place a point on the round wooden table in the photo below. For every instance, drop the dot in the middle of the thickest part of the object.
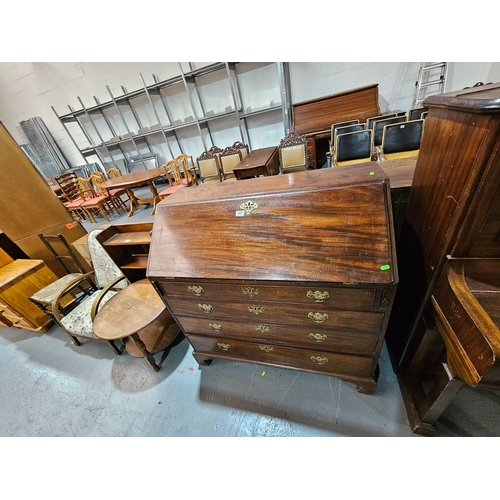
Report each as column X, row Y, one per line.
column 138, row 316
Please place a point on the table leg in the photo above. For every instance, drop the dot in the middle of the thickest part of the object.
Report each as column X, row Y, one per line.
column 142, row 347
column 156, row 197
column 133, row 202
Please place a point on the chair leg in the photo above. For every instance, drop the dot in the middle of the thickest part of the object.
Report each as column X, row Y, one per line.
column 117, row 350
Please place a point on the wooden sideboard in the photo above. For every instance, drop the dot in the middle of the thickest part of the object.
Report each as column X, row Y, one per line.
column 296, row 271
column 452, row 216
column 315, row 117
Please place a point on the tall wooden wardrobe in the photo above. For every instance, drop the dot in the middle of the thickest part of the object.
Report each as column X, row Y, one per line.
column 28, row 205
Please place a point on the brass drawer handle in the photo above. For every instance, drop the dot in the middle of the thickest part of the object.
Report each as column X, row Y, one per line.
column 224, row 347
column 207, row 308
column 318, row 337
column 250, row 291
column 318, row 296
column 196, row 290
column 319, row 360
column 256, row 310
column 215, row 326
column 318, row 317
column 266, row 348
column 261, row 328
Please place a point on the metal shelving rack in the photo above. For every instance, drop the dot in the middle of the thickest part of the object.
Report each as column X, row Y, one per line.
column 188, row 80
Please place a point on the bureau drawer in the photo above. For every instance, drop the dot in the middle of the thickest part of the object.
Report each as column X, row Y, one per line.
column 310, row 315
column 302, row 359
column 344, row 338
column 339, row 297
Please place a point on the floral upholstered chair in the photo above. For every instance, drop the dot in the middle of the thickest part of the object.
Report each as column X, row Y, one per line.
column 78, row 323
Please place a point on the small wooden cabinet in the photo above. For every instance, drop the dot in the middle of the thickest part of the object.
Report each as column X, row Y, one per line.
column 19, row 280
column 128, row 246
column 295, row 270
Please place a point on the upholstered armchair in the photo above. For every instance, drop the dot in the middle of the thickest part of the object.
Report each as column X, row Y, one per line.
column 78, row 323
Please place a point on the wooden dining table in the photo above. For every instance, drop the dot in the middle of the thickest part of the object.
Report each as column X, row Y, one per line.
column 135, row 179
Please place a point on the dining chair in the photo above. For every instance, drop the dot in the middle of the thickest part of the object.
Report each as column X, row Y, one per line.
column 208, row 166
column 188, row 169
column 97, row 179
column 244, row 149
column 402, row 140
column 173, row 173
column 78, row 322
column 58, row 246
column 113, row 172
column 71, row 195
column 92, row 202
column 353, row 147
column 228, row 159
column 293, row 153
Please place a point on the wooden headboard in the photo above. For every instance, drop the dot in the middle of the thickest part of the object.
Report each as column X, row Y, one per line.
column 318, row 115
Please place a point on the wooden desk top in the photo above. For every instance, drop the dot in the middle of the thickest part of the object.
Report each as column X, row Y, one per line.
column 17, row 268
column 400, row 171
column 134, row 178
column 256, row 158
column 132, row 309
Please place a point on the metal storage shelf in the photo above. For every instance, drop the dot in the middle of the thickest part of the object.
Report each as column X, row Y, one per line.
column 190, row 87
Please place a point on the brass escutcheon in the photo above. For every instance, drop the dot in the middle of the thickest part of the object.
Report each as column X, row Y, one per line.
column 224, row 347
column 317, row 317
column 262, row 328
column 249, row 206
column 256, row 310
column 196, row 290
column 206, row 307
column 266, row 348
column 215, row 326
column 250, row 291
column 318, row 337
column 319, row 360
column 318, row 296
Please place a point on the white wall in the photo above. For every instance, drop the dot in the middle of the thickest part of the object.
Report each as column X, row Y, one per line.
column 31, row 89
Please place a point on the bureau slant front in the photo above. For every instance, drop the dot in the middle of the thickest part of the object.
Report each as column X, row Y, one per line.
column 295, row 270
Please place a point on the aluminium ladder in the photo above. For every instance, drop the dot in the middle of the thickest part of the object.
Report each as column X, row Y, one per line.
column 427, row 78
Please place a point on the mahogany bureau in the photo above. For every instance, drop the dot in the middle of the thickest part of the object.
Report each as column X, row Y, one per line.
column 294, row 270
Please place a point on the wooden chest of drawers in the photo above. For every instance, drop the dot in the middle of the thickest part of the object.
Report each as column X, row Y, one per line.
column 296, row 270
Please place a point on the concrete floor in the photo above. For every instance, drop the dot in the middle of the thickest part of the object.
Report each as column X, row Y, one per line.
column 50, row 387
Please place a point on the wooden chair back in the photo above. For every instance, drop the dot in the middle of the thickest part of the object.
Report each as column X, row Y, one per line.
column 293, row 153
column 228, row 159
column 69, row 186
column 208, row 165
column 188, row 169
column 243, row 148
column 113, row 172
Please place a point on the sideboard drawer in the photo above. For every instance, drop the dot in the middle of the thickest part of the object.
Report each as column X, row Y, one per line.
column 266, row 353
